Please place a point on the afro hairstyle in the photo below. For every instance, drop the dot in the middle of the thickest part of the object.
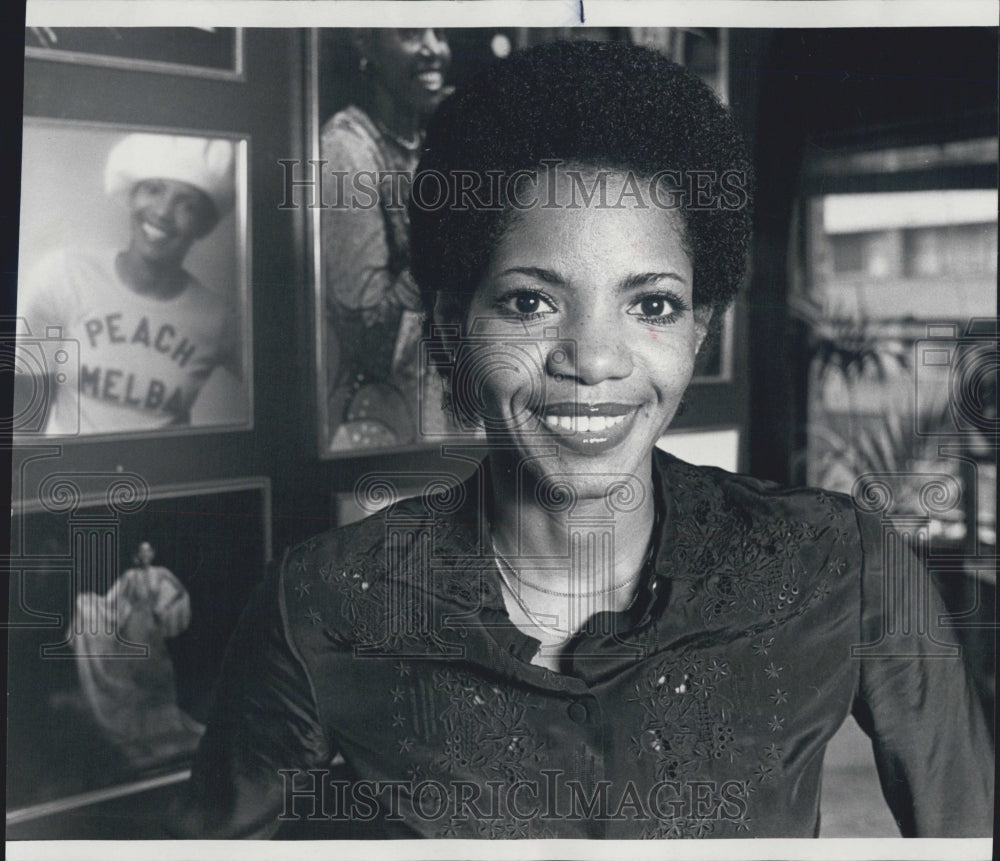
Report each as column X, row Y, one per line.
column 606, row 105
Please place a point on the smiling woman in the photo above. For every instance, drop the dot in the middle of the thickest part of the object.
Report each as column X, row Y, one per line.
column 146, row 334
column 168, row 217
column 371, row 321
column 588, row 638
column 616, row 285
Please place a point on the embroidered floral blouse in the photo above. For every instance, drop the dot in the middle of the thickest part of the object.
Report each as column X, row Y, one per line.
column 702, row 711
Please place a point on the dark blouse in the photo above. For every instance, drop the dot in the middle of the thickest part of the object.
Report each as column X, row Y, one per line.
column 702, row 711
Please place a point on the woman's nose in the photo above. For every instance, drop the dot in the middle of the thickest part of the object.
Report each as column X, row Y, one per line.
column 590, row 353
column 163, row 205
column 433, row 44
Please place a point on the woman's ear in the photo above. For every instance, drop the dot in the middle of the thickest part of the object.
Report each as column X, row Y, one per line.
column 702, row 322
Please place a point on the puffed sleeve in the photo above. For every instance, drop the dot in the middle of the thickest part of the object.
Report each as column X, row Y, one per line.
column 265, row 720
column 915, row 700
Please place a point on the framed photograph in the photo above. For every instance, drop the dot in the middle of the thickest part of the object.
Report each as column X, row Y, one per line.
column 133, row 293
column 375, row 392
column 206, row 52
column 122, row 600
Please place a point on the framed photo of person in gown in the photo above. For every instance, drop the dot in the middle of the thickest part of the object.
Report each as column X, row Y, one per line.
column 122, row 600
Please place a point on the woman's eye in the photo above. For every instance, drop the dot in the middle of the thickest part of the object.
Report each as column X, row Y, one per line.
column 148, row 188
column 192, row 208
column 526, row 304
column 653, row 306
column 658, row 308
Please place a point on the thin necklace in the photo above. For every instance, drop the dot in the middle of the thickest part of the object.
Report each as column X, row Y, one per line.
column 538, row 623
column 410, row 145
column 595, row 594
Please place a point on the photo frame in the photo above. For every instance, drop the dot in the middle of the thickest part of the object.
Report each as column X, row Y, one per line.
column 104, row 704
column 101, row 354
column 205, row 52
column 375, row 392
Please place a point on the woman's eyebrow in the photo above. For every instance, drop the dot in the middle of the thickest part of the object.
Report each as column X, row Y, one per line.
column 546, row 275
column 630, row 282
column 644, row 279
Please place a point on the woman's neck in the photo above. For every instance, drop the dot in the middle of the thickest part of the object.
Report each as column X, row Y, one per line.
column 149, row 278
column 602, row 545
column 401, row 120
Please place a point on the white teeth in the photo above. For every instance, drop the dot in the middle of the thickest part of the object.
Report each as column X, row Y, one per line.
column 431, row 80
column 153, row 233
column 583, row 424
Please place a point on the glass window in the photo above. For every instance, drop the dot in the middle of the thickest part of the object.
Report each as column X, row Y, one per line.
column 898, row 294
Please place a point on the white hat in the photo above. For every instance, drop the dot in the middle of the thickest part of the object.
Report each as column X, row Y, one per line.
column 205, row 163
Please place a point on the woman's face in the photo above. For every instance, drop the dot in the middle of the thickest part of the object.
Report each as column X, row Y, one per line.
column 411, row 65
column 145, row 553
column 168, row 217
column 581, row 338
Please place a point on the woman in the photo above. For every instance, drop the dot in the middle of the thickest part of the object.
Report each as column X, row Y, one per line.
column 125, row 670
column 588, row 638
column 150, row 334
column 373, row 322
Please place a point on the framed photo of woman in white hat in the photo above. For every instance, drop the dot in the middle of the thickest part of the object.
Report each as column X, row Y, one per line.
column 133, row 302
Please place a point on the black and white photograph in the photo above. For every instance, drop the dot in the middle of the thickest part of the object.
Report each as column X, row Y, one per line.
column 373, row 390
column 582, row 430
column 133, row 293
column 121, row 606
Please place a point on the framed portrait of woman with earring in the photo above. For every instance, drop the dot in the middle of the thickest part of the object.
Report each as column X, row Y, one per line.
column 373, row 90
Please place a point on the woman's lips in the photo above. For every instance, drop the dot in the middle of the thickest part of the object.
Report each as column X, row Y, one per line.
column 582, row 424
column 589, row 428
column 154, row 233
column 431, row 79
